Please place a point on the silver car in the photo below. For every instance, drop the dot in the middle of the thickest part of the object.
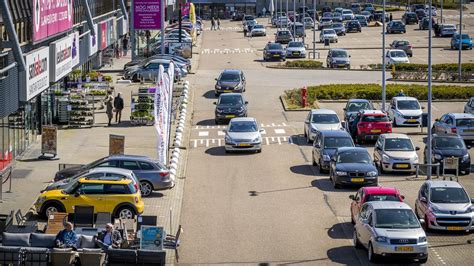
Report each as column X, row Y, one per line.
column 456, row 123
column 243, row 134
column 328, row 34
column 395, row 153
column 445, row 205
column 338, row 58
column 318, row 120
column 295, row 50
column 389, row 229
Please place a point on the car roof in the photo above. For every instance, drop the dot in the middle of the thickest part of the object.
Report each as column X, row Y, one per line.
column 113, row 170
column 238, row 119
column 334, row 133
column 461, row 115
column 160, row 60
column 95, row 181
column 405, row 98
column 443, row 135
column 443, row 183
column 394, row 136
column 230, row 94
column 372, row 112
column 127, row 156
column 346, row 149
column 338, row 49
column 376, row 205
column 395, row 50
column 232, row 71
column 322, row 111
column 380, row 190
column 358, row 100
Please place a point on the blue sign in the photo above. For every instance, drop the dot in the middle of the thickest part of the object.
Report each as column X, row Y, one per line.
column 152, row 237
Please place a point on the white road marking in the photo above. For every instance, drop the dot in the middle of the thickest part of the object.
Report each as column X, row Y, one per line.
column 213, row 141
column 195, row 143
column 284, row 138
column 264, row 132
column 207, row 142
column 203, row 133
column 279, row 142
column 266, row 140
column 273, row 124
column 201, row 141
column 280, row 131
column 219, row 142
column 220, row 133
column 283, row 124
column 273, row 139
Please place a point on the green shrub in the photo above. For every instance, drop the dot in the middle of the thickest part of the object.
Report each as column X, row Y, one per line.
column 304, row 64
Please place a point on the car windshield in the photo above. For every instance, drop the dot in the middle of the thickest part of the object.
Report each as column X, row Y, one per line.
column 337, row 25
column 465, row 122
column 337, row 142
column 275, row 46
column 230, row 100
column 464, row 36
column 258, row 27
column 449, row 27
column 398, row 145
column 408, row 105
column 243, row 126
column 411, row 15
column 448, row 195
column 324, row 119
column 354, row 157
column 230, row 77
column 346, row 12
column 69, row 187
column 358, row 106
column 402, row 43
column 448, row 143
column 284, row 33
column 329, row 32
column 397, row 23
column 396, row 218
column 375, row 118
column 397, row 54
column 366, row 13
column 382, row 197
column 295, row 44
column 339, row 53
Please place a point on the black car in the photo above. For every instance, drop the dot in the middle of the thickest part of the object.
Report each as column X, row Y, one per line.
column 420, row 13
column 410, row 18
column 274, row 51
column 395, row 26
column 352, row 166
column 326, row 9
column 425, row 23
column 230, row 80
column 446, row 146
column 326, row 142
column 238, row 16
column 230, row 105
column 353, row 26
column 378, row 16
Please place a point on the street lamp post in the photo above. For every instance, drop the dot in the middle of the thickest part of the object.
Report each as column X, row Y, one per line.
column 460, row 40
column 314, row 29
column 441, row 11
column 383, row 57
column 428, row 125
column 304, row 16
column 294, row 19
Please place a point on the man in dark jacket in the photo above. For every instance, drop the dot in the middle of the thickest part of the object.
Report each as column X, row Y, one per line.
column 118, row 105
column 109, row 238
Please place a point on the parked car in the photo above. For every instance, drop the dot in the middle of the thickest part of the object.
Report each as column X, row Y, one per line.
column 326, row 9
column 338, row 58
column 379, row 14
column 258, row 30
column 308, row 23
column 243, row 134
column 355, row 7
column 389, row 229
column 116, row 196
column 369, row 125
column 282, row 22
column 355, row 106
column 326, row 142
column 461, row 124
column 367, row 194
column 149, row 71
column 362, row 20
column 405, row 111
column 238, row 16
column 353, row 26
column 325, row 23
column 230, row 105
column 465, row 41
column 329, row 34
column 368, row 15
column 295, row 49
column 420, row 13
column 403, row 45
column 347, row 14
column 415, row 7
column 320, row 119
column 369, row 8
column 152, row 174
column 447, row 146
column 446, row 30
column 352, row 166
column 274, row 51
column 339, row 28
column 410, row 18
column 469, row 106
column 424, row 23
column 248, row 18
column 445, row 205
column 395, row 26
column 336, row 17
column 297, row 29
column 395, row 153
column 230, row 80
column 283, row 36
column 434, row 13
column 396, row 56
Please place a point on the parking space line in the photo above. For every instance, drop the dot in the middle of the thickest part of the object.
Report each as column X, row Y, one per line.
column 195, row 143
column 279, row 131
column 219, row 142
column 279, row 142
column 207, row 142
column 266, row 140
column 203, row 133
column 201, row 141
column 220, row 133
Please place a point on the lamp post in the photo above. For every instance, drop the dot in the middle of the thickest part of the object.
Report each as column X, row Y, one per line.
column 294, row 19
column 383, row 57
column 303, row 17
column 460, row 40
column 428, row 125
column 314, row 29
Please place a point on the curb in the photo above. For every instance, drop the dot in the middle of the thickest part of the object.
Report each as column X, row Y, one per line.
column 322, row 68
column 285, row 107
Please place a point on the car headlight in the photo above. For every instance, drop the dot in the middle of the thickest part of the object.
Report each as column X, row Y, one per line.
column 385, row 157
column 372, row 173
column 414, row 158
column 257, row 139
column 341, row 173
column 381, row 239
column 219, row 111
column 40, row 200
column 438, row 156
column 313, row 130
column 218, row 86
column 434, row 209
column 422, row 239
column 241, row 109
column 465, row 157
column 326, row 157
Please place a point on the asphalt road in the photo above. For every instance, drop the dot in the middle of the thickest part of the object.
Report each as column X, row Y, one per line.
column 274, row 207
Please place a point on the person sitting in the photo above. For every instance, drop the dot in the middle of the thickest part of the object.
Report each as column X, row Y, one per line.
column 66, row 238
column 109, row 238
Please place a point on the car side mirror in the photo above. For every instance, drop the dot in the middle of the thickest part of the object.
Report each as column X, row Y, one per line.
column 422, row 221
column 423, row 199
column 261, row 130
column 422, row 108
column 349, row 55
column 317, row 146
column 306, row 121
column 333, row 158
column 417, row 148
column 472, row 200
column 224, row 130
column 364, row 221
column 214, row 103
column 437, row 120
column 77, row 194
column 345, row 109
column 215, row 79
column 468, row 147
column 246, row 102
column 352, row 197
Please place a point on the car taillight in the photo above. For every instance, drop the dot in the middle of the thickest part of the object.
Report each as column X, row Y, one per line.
column 136, row 186
column 454, row 130
column 163, row 174
column 409, row 46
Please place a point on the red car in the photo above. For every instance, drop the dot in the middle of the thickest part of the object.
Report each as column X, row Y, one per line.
column 366, row 194
column 370, row 124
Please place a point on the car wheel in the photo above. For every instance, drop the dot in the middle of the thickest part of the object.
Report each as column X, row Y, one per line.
column 51, row 208
column 308, row 140
column 259, row 150
column 146, row 188
column 355, row 239
column 125, row 213
column 135, row 78
column 370, row 253
column 216, row 121
column 314, row 163
column 423, row 261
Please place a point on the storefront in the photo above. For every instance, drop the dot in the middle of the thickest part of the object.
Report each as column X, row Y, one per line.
column 223, row 8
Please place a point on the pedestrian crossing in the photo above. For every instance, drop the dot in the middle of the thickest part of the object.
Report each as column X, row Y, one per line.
column 263, row 125
column 228, row 51
column 216, row 142
column 225, row 28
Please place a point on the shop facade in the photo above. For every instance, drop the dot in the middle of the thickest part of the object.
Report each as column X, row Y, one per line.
column 224, row 8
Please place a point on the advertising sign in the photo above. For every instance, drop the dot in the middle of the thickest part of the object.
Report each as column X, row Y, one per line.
column 51, row 17
column 49, row 137
column 103, row 35
column 93, row 40
column 147, row 14
column 61, row 58
column 152, row 237
column 75, row 59
column 184, row 49
column 37, row 72
column 162, row 110
column 116, row 144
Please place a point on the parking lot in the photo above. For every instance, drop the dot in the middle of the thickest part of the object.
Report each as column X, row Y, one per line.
column 275, row 207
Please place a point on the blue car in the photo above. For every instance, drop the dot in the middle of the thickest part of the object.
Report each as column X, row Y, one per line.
column 466, row 41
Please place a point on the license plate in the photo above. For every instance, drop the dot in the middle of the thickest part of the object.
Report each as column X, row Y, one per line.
column 357, row 180
column 227, row 90
column 296, row 53
column 229, row 116
column 244, row 144
column 403, row 248
column 468, row 130
column 412, row 121
column 403, row 165
column 276, row 55
column 455, row 228
column 376, row 131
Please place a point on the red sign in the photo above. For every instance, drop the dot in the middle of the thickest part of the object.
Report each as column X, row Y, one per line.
column 51, row 17
column 103, row 32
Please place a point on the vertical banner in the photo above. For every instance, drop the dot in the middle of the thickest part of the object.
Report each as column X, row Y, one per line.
column 51, row 17
column 147, row 14
column 192, row 18
column 116, row 144
column 49, row 138
column 93, row 40
column 75, row 49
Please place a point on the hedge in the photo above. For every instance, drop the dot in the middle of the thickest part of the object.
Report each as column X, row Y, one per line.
column 304, row 64
column 373, row 92
column 452, row 67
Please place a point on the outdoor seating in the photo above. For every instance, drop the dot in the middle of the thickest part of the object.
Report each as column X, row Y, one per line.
column 92, row 257
column 28, row 249
column 5, row 222
column 83, row 216
column 121, row 257
column 56, row 222
column 151, row 257
column 22, row 220
column 102, row 219
column 146, row 220
column 36, row 256
column 62, row 256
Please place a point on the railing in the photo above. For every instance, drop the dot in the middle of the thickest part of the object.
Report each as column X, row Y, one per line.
column 5, row 175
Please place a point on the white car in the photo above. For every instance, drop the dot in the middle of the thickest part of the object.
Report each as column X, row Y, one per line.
column 329, row 34
column 347, row 14
column 405, row 111
column 396, row 56
column 447, row 30
column 295, row 50
column 318, row 120
column 243, row 134
column 469, row 106
column 433, row 11
column 395, row 153
column 258, row 30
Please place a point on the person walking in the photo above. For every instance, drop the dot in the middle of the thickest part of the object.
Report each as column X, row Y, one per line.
column 118, row 105
column 109, row 100
column 391, row 16
column 218, row 23
column 213, row 24
column 125, row 45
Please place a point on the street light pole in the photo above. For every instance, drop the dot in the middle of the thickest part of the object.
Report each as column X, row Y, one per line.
column 428, row 125
column 314, row 29
column 460, row 40
column 304, row 16
column 441, row 11
column 294, row 19
column 383, row 57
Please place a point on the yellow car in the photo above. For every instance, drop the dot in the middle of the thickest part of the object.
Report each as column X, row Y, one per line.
column 120, row 197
